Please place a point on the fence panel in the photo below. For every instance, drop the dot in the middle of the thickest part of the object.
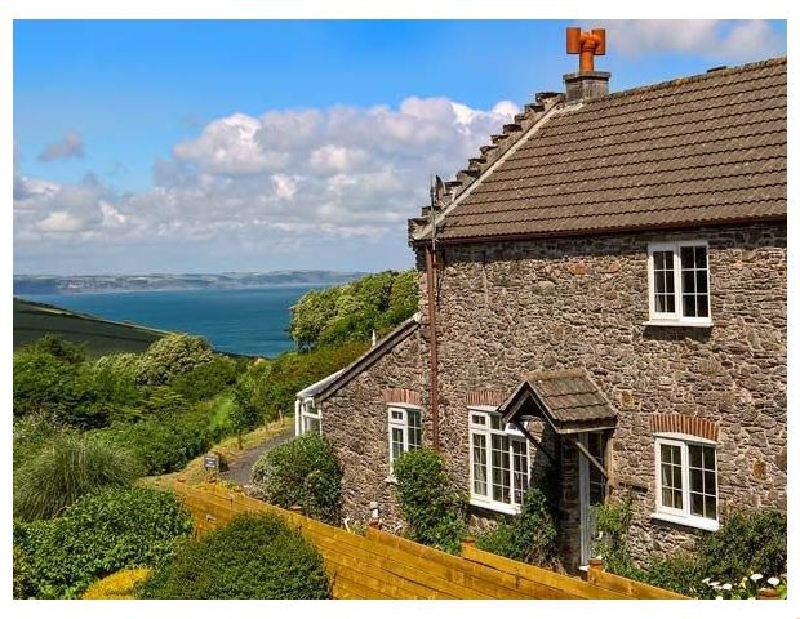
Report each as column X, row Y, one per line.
column 384, row 566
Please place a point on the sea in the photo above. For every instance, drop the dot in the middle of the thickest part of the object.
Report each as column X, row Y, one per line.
column 252, row 321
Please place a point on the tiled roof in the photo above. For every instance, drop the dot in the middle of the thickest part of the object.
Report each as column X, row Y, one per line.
column 332, row 383
column 692, row 151
column 568, row 398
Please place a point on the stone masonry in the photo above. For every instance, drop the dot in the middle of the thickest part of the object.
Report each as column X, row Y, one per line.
column 508, row 308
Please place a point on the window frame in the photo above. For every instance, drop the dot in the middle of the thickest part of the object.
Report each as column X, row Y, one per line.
column 305, row 415
column 676, row 318
column 684, row 516
column 403, row 425
column 485, row 429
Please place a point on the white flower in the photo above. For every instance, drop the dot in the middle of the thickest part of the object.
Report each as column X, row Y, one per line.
column 727, row 586
column 755, row 577
column 719, row 597
column 773, row 581
column 751, row 598
column 705, row 581
column 715, row 585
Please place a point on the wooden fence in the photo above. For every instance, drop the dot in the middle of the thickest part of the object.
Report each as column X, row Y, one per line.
column 379, row 565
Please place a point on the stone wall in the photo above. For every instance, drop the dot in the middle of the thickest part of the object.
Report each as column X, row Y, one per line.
column 354, row 418
column 509, row 308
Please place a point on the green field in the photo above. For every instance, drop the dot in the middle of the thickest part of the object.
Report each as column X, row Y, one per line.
column 100, row 337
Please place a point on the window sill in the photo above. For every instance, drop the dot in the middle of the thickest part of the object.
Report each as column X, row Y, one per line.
column 689, row 521
column 679, row 323
column 494, row 506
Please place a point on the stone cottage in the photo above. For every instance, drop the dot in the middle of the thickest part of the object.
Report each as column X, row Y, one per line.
column 603, row 290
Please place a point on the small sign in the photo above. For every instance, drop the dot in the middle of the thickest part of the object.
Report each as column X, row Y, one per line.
column 211, row 462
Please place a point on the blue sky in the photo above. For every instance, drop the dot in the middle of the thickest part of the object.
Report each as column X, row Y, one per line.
column 146, row 146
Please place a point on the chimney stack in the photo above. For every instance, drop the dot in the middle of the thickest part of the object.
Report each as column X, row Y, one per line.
column 586, row 83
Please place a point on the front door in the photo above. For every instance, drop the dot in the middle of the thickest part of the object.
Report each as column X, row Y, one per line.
column 592, row 486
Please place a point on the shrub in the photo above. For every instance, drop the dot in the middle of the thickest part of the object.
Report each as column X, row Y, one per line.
column 253, row 557
column 305, row 472
column 58, row 348
column 252, row 399
column 206, row 380
column 68, row 467
column 748, row 542
column 100, row 534
column 434, row 511
column 531, row 536
column 119, row 363
column 165, row 444
column 171, row 356
column 117, row 586
column 22, row 573
column 31, row 433
column 679, row 573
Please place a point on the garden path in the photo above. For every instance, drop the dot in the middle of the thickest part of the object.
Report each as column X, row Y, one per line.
column 240, row 470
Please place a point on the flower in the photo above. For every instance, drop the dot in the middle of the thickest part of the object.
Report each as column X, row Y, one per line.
column 715, row 585
column 705, row 581
column 774, row 581
column 719, row 597
column 727, row 586
column 756, row 577
column 751, row 598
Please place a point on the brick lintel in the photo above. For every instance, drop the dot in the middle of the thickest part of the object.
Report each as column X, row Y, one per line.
column 405, row 396
column 684, row 424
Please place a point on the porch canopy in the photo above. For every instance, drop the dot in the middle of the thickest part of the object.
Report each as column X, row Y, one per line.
column 568, row 400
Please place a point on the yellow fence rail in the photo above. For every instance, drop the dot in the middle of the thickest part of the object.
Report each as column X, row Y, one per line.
column 380, row 566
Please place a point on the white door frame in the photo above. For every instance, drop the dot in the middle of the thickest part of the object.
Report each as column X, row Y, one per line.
column 583, row 493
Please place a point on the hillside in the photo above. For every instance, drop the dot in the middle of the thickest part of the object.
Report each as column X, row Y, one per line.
column 100, row 337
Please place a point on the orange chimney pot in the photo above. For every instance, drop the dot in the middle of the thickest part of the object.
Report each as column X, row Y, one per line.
column 587, row 45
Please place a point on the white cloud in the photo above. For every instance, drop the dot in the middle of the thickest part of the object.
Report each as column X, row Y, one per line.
column 726, row 40
column 283, row 180
column 60, row 221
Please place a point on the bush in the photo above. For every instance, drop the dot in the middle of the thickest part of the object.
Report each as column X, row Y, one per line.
column 434, row 511
column 100, row 534
column 118, row 586
column 31, row 433
column 58, row 348
column 206, row 380
column 305, row 472
column 748, row 543
column 531, row 537
column 68, row 467
column 679, row 573
column 251, row 396
column 165, row 444
column 22, row 573
column 254, row 557
column 171, row 356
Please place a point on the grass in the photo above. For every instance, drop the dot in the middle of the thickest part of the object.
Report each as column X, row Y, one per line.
column 228, row 449
column 100, row 337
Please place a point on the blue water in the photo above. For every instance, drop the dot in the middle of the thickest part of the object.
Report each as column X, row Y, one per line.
column 248, row 322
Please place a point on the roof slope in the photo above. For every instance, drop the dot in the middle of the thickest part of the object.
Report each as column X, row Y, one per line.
column 706, row 149
column 332, row 383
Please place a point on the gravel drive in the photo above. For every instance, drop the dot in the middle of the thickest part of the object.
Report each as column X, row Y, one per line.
column 239, row 472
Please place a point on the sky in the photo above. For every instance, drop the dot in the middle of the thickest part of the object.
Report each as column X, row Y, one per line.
column 259, row 145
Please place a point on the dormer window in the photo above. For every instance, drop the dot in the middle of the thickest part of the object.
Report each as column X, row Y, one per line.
column 679, row 283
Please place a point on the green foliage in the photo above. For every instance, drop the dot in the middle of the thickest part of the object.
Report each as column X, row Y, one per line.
column 31, row 433
column 68, row 467
column 531, row 536
column 22, row 573
column 679, row 573
column 274, row 388
column 206, row 380
column 100, row 534
column 749, row 542
column 173, row 355
column 58, row 348
column 305, row 472
column 351, row 312
column 166, row 444
column 252, row 398
column 434, row 511
column 119, row 363
column 612, row 522
column 254, row 557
